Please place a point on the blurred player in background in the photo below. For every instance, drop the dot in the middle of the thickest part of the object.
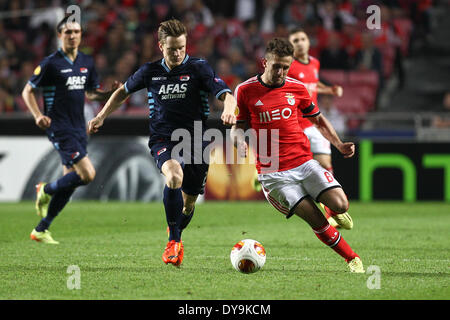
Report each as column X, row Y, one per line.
column 178, row 87
column 65, row 77
column 305, row 68
column 272, row 103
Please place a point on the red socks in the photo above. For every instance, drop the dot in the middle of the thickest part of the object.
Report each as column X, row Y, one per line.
column 332, row 238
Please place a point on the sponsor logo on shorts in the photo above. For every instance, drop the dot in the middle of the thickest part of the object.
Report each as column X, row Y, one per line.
column 161, row 151
column 75, row 155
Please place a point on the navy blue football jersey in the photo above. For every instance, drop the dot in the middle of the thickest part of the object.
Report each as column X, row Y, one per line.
column 64, row 83
column 177, row 97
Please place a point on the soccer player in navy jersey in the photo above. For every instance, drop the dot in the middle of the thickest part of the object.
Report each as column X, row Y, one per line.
column 65, row 77
column 178, row 86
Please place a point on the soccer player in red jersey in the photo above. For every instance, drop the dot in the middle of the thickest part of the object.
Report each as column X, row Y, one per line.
column 270, row 104
column 306, row 69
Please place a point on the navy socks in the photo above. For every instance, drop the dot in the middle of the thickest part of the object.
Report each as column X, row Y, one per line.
column 57, row 203
column 67, row 182
column 61, row 190
column 185, row 219
column 173, row 204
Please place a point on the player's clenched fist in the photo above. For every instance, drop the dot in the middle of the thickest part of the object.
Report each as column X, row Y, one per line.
column 95, row 124
column 228, row 118
column 337, row 90
column 43, row 122
column 347, row 149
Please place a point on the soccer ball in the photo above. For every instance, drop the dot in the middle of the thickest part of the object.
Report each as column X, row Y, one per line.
column 248, row 256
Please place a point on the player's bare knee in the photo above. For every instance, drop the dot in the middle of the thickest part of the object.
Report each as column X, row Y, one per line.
column 88, row 176
column 91, row 176
column 341, row 205
column 174, row 180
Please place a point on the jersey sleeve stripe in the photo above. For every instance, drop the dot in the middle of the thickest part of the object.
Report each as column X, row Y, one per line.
column 126, row 88
column 310, row 108
column 311, row 115
column 289, row 79
column 222, row 91
column 249, row 81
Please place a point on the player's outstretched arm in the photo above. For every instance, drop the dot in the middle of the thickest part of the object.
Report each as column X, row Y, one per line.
column 229, row 108
column 41, row 120
column 113, row 103
column 327, row 130
column 334, row 90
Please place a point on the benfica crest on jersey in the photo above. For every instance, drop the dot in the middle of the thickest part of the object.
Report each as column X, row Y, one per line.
column 290, row 98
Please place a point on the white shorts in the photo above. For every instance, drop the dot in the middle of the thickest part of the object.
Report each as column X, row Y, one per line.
column 286, row 189
column 319, row 145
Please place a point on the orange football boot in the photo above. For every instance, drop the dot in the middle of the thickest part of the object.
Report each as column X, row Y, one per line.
column 172, row 252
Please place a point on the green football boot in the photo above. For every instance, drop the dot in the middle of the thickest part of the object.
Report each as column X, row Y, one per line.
column 42, row 200
column 44, row 237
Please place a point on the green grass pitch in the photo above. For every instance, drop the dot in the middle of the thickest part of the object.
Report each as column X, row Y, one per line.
column 118, row 246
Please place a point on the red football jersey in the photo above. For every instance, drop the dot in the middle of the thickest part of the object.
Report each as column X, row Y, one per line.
column 309, row 75
column 271, row 108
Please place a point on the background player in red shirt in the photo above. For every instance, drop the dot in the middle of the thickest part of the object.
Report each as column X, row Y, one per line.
column 271, row 104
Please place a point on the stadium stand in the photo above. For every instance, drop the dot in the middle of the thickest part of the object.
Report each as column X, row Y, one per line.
column 121, row 34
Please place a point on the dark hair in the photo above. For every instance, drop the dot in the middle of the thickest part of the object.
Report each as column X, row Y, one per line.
column 295, row 30
column 62, row 23
column 171, row 28
column 280, row 47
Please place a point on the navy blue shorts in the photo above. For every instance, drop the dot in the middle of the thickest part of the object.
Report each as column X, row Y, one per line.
column 71, row 146
column 195, row 170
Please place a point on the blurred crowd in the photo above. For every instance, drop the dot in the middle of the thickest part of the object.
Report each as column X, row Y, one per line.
column 231, row 35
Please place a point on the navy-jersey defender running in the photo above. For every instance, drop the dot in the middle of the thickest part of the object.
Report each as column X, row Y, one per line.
column 178, row 87
column 65, row 77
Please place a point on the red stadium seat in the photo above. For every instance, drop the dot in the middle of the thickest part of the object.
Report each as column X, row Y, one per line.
column 137, row 111
column 368, row 96
column 334, row 76
column 366, row 93
column 365, row 78
column 350, row 104
column 20, row 103
column 18, row 37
